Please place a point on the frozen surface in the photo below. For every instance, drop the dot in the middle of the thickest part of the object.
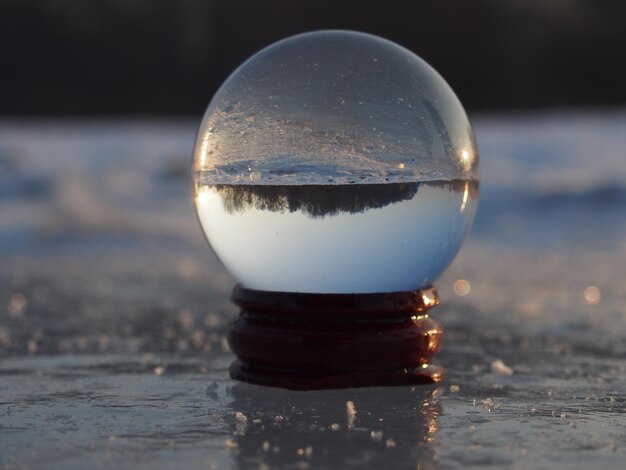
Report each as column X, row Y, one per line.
column 113, row 313
column 334, row 107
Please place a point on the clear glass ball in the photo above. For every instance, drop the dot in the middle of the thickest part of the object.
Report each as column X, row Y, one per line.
column 335, row 162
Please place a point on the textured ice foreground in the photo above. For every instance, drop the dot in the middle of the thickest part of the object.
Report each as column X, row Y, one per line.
column 338, row 106
column 113, row 313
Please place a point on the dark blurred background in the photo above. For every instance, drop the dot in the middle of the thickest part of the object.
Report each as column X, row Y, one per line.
column 111, row 57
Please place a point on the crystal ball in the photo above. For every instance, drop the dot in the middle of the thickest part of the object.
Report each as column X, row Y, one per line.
column 335, row 162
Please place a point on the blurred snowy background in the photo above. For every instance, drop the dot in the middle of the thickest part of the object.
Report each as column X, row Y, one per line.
column 114, row 312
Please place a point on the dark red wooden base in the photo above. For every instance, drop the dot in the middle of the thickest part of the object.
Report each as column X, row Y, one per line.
column 323, row 341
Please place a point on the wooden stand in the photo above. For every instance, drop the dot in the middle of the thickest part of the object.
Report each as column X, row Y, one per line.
column 323, row 341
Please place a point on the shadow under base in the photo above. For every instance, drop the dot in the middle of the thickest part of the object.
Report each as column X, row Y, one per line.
column 326, row 341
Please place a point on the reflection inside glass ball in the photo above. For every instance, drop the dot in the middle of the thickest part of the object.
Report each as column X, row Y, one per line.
column 335, row 162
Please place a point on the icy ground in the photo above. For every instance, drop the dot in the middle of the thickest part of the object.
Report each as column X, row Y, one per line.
column 113, row 313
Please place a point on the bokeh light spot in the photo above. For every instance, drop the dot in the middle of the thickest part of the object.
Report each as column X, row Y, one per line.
column 461, row 287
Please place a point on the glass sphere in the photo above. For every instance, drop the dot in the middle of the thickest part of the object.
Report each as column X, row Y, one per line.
column 335, row 162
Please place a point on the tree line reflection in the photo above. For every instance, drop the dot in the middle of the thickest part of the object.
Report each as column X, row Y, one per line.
column 318, row 201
